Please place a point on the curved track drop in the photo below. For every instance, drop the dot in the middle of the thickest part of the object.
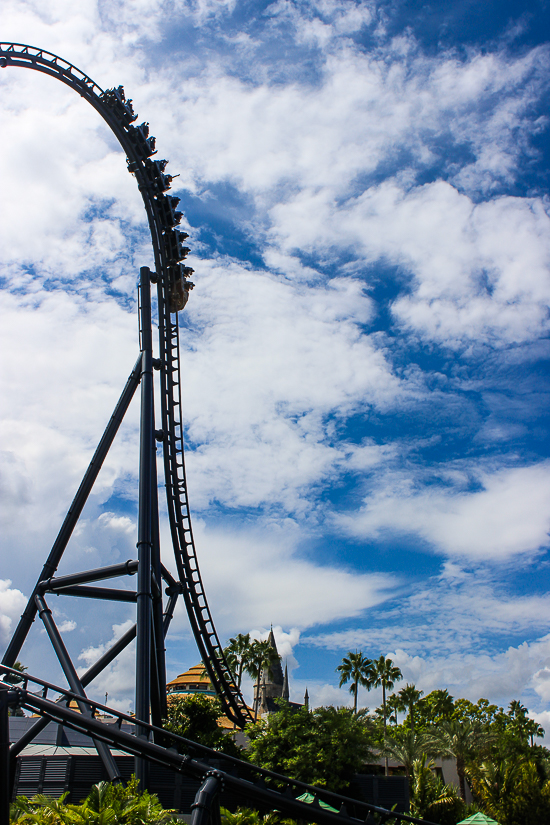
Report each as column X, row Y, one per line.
column 171, row 277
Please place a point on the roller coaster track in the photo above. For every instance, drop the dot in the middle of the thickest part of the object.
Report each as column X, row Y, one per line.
column 171, row 276
column 258, row 786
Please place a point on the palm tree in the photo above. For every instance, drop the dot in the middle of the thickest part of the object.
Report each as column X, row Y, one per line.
column 406, row 747
column 409, row 696
column 461, row 739
column 385, row 674
column 358, row 669
column 430, row 797
column 394, row 705
column 493, row 782
column 237, row 654
column 442, row 704
column 11, row 678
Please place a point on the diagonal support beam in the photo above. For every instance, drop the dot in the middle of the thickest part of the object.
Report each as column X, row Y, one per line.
column 85, row 680
column 74, row 512
column 74, row 682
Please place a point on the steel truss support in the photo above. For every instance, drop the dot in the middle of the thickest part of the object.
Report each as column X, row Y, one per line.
column 152, row 619
column 151, row 623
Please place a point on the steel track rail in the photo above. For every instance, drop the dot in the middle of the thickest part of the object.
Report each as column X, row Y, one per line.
column 265, row 787
column 171, row 276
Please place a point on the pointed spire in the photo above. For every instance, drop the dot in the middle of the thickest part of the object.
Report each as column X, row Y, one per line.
column 274, row 678
column 286, row 691
column 306, row 699
column 271, row 640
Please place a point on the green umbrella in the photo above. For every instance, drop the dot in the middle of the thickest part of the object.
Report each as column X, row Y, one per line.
column 478, row 819
column 308, row 797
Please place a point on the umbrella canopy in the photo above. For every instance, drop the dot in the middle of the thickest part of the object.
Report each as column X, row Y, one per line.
column 478, row 819
column 308, row 797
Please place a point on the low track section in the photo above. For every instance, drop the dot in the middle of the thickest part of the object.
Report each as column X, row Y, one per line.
column 171, row 276
column 249, row 782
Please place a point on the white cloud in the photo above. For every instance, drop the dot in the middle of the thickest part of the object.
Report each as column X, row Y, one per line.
column 118, row 678
column 265, row 362
column 66, row 626
column 256, row 575
column 12, row 604
column 508, row 516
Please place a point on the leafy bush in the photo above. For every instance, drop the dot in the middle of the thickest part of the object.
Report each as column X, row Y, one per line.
column 324, row 747
column 106, row 804
column 196, row 717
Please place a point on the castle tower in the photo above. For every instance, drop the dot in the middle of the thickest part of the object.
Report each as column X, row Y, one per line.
column 272, row 681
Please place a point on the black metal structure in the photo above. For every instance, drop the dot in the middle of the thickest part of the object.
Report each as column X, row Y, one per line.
column 264, row 788
column 149, row 743
column 153, row 617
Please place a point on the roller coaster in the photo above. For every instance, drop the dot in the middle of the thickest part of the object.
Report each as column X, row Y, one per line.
column 154, row 613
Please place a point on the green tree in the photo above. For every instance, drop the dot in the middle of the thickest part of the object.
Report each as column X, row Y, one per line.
column 324, row 746
column 434, row 708
column 196, row 717
column 358, row 669
column 384, row 674
column 520, row 725
column 11, row 678
column 406, row 747
column 481, row 713
column 431, row 799
column 248, row 816
column 409, row 696
column 237, row 654
column 463, row 740
column 393, row 706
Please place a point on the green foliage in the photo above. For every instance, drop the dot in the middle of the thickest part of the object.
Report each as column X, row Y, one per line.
column 431, row 799
column 463, row 740
column 248, row 816
column 11, row 678
column 106, row 804
column 406, row 747
column 323, row 747
column 196, row 717
column 438, row 706
column 409, row 696
column 384, row 674
column 512, row 791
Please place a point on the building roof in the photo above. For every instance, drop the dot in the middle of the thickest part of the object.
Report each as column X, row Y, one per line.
column 194, row 680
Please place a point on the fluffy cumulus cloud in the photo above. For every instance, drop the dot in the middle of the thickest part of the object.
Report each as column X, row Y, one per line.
column 12, row 603
column 116, row 679
column 364, row 355
column 267, row 577
column 508, row 514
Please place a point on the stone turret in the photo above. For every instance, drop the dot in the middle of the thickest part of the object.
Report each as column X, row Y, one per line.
column 273, row 684
column 272, row 681
column 286, row 691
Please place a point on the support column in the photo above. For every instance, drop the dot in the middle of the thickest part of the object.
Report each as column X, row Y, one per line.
column 5, row 784
column 145, row 522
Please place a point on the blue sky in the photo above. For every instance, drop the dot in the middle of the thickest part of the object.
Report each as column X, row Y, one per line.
column 365, row 353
